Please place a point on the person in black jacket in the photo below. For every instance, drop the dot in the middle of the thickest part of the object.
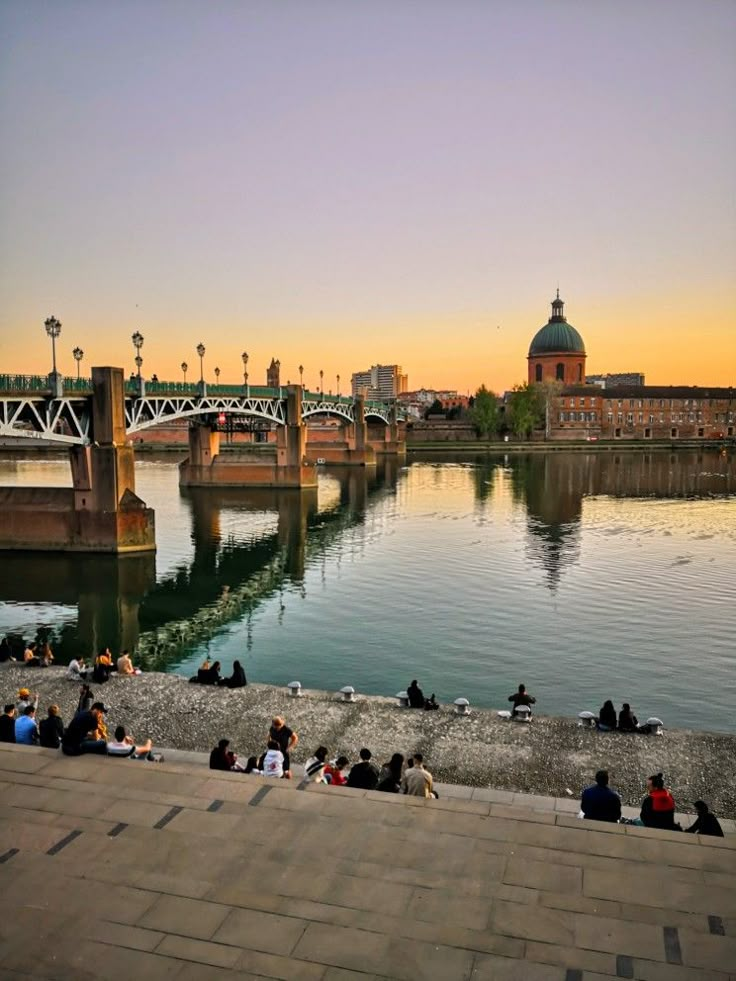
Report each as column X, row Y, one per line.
column 416, row 696
column 7, row 724
column 607, row 717
column 237, row 679
column 627, row 721
column 51, row 729
column 364, row 775
column 705, row 823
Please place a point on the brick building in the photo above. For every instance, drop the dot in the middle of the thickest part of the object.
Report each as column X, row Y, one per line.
column 644, row 412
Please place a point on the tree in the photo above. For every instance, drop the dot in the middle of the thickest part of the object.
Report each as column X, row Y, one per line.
column 526, row 409
column 550, row 389
column 435, row 409
column 484, row 413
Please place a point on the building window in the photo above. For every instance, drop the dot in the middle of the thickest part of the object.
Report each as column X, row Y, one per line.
column 560, row 372
column 641, row 416
column 580, row 372
column 538, row 373
column 619, row 417
column 562, row 417
column 610, row 417
column 630, row 418
column 647, row 433
column 673, row 433
column 618, row 433
column 701, row 432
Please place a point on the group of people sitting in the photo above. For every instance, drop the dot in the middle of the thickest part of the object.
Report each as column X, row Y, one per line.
column 34, row 655
column 86, row 733
column 209, row 674
column 398, row 775
column 102, row 667
column 417, row 699
column 626, row 721
column 600, row 803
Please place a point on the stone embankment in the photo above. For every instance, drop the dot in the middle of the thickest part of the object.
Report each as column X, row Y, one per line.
column 551, row 756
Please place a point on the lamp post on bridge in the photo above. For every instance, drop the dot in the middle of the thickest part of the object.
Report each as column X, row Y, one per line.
column 301, row 376
column 202, row 385
column 184, row 368
column 244, row 356
column 77, row 354
column 217, row 376
column 53, row 329
column 321, row 383
column 338, row 386
column 137, row 340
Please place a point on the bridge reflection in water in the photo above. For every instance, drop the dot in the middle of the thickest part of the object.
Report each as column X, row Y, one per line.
column 120, row 603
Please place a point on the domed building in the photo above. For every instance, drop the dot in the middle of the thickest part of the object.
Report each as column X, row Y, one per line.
column 557, row 351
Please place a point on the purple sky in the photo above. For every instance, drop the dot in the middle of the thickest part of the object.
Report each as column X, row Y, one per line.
column 340, row 183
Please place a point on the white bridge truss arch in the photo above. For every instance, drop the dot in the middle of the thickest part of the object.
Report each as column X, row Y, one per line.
column 68, row 420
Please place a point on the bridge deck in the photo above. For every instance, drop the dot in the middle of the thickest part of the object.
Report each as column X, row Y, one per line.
column 116, row 869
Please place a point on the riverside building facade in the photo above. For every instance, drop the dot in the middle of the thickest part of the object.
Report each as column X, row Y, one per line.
column 380, row 381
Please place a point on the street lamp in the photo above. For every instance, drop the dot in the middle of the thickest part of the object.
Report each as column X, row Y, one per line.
column 217, row 376
column 301, row 375
column 137, row 340
column 200, row 352
column 184, row 368
column 244, row 356
column 53, row 329
column 78, row 354
column 338, row 386
column 321, row 386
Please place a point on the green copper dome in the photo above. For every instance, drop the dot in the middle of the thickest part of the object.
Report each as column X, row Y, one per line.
column 556, row 335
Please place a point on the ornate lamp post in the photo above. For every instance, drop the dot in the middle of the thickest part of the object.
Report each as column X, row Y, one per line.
column 137, row 340
column 184, row 368
column 200, row 352
column 321, row 386
column 53, row 329
column 217, row 375
column 78, row 354
column 301, row 375
column 244, row 356
column 338, row 386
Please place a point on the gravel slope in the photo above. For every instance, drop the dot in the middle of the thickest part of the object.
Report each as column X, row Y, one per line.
column 550, row 756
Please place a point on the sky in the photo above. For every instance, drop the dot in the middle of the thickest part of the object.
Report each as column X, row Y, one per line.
column 341, row 184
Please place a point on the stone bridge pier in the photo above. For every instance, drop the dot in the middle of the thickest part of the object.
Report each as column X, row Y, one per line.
column 392, row 441
column 101, row 511
column 205, row 467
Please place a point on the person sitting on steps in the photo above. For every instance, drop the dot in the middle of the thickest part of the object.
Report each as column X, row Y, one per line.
column 521, row 697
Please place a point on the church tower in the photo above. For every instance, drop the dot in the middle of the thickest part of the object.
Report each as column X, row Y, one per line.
column 273, row 374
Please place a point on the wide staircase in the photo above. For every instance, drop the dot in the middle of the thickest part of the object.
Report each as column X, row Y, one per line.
column 121, row 869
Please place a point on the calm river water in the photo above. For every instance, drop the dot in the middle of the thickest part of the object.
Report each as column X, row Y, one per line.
column 587, row 576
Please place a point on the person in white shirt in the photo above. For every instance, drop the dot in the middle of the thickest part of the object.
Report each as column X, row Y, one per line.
column 417, row 781
column 77, row 670
column 123, row 745
column 314, row 768
column 272, row 762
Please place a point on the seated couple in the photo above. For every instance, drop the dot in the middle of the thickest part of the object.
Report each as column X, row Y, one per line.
column 417, row 699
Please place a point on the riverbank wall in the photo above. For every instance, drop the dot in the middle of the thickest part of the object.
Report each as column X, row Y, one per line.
column 551, row 756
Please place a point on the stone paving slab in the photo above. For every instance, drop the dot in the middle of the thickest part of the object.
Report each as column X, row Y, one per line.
column 275, row 882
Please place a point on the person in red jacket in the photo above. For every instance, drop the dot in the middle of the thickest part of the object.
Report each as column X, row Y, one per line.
column 658, row 808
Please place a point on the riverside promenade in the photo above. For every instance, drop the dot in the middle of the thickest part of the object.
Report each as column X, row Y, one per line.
column 550, row 758
column 114, row 869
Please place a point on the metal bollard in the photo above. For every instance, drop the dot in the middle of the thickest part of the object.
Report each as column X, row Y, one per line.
column 295, row 689
column 403, row 699
column 348, row 693
column 462, row 706
column 587, row 720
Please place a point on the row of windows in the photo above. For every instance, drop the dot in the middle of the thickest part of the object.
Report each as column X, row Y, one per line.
column 578, row 417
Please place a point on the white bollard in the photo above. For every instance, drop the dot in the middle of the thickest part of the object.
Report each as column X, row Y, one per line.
column 587, row 720
column 504, row 714
column 295, row 689
column 522, row 713
column 462, row 706
column 348, row 693
column 403, row 699
column 656, row 726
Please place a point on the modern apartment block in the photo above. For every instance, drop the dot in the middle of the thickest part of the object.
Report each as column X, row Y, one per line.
column 381, row 381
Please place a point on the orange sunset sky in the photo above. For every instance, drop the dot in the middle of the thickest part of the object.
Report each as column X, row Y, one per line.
column 342, row 185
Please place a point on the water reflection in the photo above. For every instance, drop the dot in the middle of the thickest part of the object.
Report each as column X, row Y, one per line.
column 553, row 486
column 247, row 545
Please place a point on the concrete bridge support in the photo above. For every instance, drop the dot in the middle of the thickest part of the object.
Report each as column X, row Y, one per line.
column 101, row 512
column 290, row 468
column 354, row 451
column 393, row 441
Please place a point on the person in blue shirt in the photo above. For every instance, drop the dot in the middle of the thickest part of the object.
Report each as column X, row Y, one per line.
column 599, row 802
column 26, row 727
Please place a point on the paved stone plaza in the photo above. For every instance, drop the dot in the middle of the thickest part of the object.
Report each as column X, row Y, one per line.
column 114, row 869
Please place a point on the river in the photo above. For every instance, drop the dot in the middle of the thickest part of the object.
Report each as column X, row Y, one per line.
column 585, row 575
